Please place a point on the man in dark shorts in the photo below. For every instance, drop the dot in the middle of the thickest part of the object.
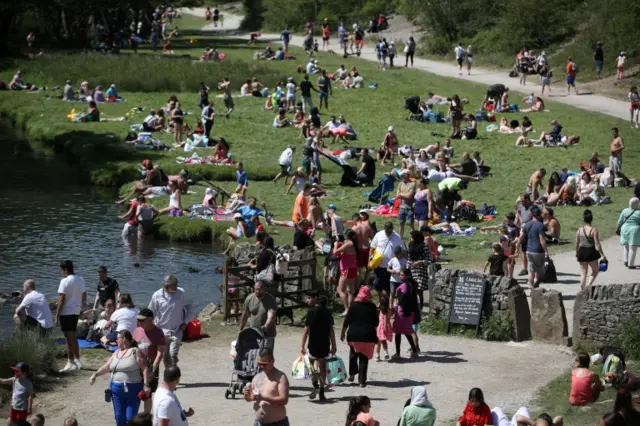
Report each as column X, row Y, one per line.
column 495, row 92
column 107, row 288
column 151, row 342
column 322, row 341
column 71, row 301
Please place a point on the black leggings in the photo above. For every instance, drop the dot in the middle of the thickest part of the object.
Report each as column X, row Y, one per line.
column 420, row 299
column 409, row 338
column 408, row 55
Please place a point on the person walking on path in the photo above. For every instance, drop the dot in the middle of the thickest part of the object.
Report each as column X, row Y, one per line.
column 460, row 57
column 359, row 328
column 167, row 410
column 172, row 311
column 634, row 106
column 71, row 301
column 260, row 311
column 588, row 249
column 34, row 312
column 151, row 342
column 628, row 227
column 409, row 51
column 319, row 332
column 108, row 288
column 533, row 236
column 406, row 310
column 385, row 242
column 208, row 116
column 572, row 72
column 129, row 377
column 621, row 61
column 469, row 61
column 269, row 392
column 598, row 57
column 285, row 36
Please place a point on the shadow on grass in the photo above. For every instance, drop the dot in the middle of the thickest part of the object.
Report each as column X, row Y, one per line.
column 397, row 384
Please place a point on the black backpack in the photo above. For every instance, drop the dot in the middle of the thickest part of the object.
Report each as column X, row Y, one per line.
column 550, row 275
column 164, row 179
column 466, row 212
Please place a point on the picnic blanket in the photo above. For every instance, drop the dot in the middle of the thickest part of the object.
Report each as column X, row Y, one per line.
column 85, row 344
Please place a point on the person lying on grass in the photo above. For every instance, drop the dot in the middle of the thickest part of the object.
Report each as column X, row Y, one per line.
column 154, row 182
column 18, row 83
column 523, row 418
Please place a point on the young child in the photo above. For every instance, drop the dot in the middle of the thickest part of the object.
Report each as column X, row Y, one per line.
column 396, row 265
column 22, row 398
column 496, row 261
column 384, row 330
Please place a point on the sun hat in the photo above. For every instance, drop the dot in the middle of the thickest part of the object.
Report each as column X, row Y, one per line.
column 390, row 129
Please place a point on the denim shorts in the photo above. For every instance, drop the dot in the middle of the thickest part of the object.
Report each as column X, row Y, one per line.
column 405, row 214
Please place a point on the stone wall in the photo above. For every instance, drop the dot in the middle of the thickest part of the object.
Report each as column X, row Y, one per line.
column 599, row 312
column 502, row 296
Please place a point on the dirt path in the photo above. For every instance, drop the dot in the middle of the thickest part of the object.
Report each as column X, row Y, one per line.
column 450, row 367
column 612, row 107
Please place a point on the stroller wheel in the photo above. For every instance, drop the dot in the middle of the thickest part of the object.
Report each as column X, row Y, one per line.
column 227, row 394
column 233, row 393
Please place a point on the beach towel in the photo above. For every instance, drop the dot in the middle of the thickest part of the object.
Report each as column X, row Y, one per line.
column 85, row 344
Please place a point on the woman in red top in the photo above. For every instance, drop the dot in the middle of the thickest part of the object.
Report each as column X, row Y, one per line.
column 585, row 384
column 476, row 412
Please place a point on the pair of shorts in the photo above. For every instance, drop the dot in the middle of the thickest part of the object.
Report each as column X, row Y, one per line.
column 571, row 79
column 306, row 164
column 325, row 38
column 536, row 263
column 381, row 281
column 470, row 59
column 283, row 422
column 633, row 107
column 316, row 165
column 324, row 95
column 228, row 102
column 285, row 169
column 615, row 164
column 285, row 45
column 111, row 336
column 318, row 351
column 160, row 190
column 598, row 65
column 17, row 415
column 359, row 43
column 405, row 215
column 460, row 61
column 350, row 273
column 174, row 212
column 363, row 258
column 68, row 323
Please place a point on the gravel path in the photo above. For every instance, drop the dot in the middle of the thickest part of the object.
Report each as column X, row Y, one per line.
column 449, row 368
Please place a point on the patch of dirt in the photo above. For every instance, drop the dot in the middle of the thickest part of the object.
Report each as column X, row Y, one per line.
column 612, row 87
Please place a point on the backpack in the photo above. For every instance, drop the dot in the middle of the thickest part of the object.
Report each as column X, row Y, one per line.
column 550, row 275
column 575, row 67
column 465, row 211
column 164, row 179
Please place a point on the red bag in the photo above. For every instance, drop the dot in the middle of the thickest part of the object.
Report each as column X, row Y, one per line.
column 193, row 330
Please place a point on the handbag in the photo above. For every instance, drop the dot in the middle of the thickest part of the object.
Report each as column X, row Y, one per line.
column 406, row 48
column 266, row 275
column 619, row 228
column 378, row 257
column 336, row 370
column 282, row 263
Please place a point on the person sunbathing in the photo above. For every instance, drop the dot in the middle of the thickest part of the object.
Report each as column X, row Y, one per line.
column 434, row 99
column 504, row 126
column 18, row 83
column 538, row 106
column 221, row 155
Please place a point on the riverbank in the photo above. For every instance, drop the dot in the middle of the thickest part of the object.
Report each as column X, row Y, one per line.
column 98, row 147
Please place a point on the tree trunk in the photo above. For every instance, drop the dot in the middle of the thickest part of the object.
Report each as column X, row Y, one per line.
column 6, row 19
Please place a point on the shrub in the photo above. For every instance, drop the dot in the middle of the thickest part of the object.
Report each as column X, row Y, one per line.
column 629, row 339
column 497, row 328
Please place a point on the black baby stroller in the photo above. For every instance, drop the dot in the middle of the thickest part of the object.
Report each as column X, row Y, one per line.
column 412, row 103
column 245, row 363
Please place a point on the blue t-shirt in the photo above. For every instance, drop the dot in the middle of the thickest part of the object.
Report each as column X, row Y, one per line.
column 241, row 177
column 341, row 32
column 533, row 229
column 248, row 212
column 286, row 35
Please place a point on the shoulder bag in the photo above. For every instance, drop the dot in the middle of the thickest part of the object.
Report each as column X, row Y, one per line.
column 619, row 228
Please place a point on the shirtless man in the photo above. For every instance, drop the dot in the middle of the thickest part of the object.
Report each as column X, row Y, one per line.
column 225, row 86
column 432, row 150
column 364, row 234
column 615, row 160
column 535, row 182
column 269, row 392
column 552, row 226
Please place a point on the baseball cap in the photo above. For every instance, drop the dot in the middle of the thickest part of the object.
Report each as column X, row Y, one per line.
column 144, row 314
column 21, row 366
column 333, row 207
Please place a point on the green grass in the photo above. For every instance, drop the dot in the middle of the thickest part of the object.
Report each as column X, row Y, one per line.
column 98, row 148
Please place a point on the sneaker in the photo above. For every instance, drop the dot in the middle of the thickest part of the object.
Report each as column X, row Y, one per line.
column 378, row 356
column 314, row 393
column 69, row 367
column 344, row 314
column 78, row 364
column 522, row 273
column 352, row 378
column 386, row 357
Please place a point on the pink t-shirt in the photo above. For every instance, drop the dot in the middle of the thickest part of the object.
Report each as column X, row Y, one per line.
column 366, row 418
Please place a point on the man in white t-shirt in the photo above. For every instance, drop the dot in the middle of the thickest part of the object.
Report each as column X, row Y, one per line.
column 167, row 410
column 460, row 55
column 72, row 300
column 285, row 161
column 34, row 312
column 385, row 242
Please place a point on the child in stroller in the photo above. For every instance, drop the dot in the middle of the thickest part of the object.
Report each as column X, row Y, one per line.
column 244, row 352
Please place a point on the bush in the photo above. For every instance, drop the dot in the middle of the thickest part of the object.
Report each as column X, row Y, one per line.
column 29, row 347
column 629, row 339
column 497, row 328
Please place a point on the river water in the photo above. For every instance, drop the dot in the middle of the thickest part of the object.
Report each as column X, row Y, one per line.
column 47, row 217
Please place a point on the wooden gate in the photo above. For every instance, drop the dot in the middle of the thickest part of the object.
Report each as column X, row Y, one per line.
column 289, row 289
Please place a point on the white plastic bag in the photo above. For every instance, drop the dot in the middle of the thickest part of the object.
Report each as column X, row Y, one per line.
column 282, row 263
column 301, row 368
